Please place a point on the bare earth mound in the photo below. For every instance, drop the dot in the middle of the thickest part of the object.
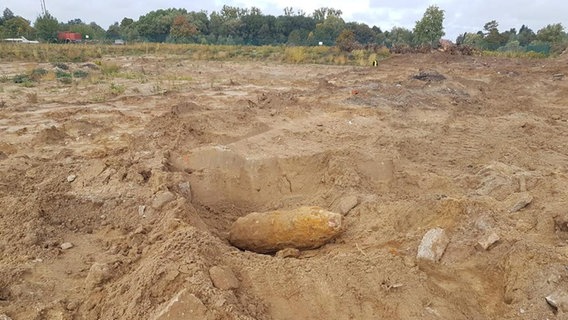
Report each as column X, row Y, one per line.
column 117, row 204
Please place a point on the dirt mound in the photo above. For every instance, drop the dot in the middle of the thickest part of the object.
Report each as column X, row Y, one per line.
column 51, row 135
column 430, row 75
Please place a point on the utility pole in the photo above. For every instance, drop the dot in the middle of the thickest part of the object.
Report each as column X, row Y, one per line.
column 43, row 8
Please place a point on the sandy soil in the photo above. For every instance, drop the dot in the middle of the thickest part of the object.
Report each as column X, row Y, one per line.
column 144, row 172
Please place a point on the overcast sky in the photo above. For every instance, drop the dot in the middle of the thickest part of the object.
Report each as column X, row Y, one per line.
column 461, row 15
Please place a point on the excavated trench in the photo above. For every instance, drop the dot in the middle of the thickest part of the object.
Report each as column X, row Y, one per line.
column 229, row 181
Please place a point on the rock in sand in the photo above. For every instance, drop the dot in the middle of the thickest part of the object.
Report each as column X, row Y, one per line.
column 223, row 278
column 288, row 253
column 347, row 203
column 98, row 273
column 66, row 246
column 558, row 300
column 184, row 305
column 301, row 228
column 488, row 240
column 519, row 200
column 162, row 198
column 433, row 245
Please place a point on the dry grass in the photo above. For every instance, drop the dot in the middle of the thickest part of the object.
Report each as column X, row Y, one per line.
column 89, row 52
column 515, row 54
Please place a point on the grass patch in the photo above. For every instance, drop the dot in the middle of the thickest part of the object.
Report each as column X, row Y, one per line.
column 38, row 73
column 21, row 78
column 515, row 54
column 117, row 89
column 80, row 74
column 109, row 69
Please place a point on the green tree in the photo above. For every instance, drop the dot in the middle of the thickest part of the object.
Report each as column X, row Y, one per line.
column 491, row 26
column 46, row 26
column 430, row 29
column 328, row 30
column 324, row 13
column 473, row 39
column 552, row 33
column 399, row 36
column 126, row 22
column 346, row 41
column 155, row 26
column 492, row 38
column 363, row 34
column 7, row 15
column 525, row 36
column 182, row 30
column 18, row 27
column 113, row 31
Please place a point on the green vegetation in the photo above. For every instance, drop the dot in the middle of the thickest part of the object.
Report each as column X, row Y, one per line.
column 80, row 74
column 430, row 29
column 239, row 27
column 551, row 39
column 117, row 89
column 277, row 54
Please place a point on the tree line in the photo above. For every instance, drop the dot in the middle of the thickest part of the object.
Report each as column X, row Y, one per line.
column 249, row 26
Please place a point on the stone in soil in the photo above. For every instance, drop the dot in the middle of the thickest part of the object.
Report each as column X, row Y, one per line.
column 184, row 305
column 288, row 253
column 347, row 203
column 66, row 246
column 433, row 245
column 223, row 278
column 162, row 198
column 518, row 201
column 98, row 273
column 488, row 240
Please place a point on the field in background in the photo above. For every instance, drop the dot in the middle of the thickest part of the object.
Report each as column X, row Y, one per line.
column 87, row 52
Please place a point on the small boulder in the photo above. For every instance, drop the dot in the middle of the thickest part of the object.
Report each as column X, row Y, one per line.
column 558, row 301
column 488, row 240
column 162, row 198
column 142, row 211
column 184, row 305
column 433, row 245
column 98, row 273
column 71, row 178
column 185, row 189
column 518, row 201
column 347, row 203
column 66, row 246
column 223, row 278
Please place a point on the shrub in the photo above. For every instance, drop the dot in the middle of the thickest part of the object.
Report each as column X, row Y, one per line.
column 117, row 89
column 80, row 74
column 109, row 69
column 21, row 78
column 294, row 54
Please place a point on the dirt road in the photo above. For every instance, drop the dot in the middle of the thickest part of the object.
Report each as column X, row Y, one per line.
column 117, row 191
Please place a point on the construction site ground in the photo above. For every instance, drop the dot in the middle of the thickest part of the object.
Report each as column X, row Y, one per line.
column 117, row 190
